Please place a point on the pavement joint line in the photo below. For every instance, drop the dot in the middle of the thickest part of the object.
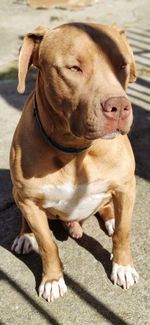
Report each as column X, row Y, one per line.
column 77, row 288
column 4, row 276
column 93, row 302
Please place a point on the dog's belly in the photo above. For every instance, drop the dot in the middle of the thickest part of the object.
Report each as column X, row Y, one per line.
column 74, row 202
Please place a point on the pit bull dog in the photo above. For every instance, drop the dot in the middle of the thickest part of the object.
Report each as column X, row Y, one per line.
column 70, row 155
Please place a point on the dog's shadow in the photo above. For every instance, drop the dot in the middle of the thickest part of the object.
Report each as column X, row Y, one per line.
column 33, row 260
column 97, row 250
column 87, row 242
column 10, row 223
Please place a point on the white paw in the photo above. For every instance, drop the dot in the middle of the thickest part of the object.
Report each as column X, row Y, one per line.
column 124, row 276
column 24, row 244
column 52, row 290
column 110, row 226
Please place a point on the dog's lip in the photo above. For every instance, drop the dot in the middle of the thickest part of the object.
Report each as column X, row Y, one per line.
column 100, row 135
column 111, row 135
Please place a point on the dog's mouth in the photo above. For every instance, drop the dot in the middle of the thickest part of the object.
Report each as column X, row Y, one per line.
column 111, row 135
column 93, row 135
column 108, row 132
column 108, row 135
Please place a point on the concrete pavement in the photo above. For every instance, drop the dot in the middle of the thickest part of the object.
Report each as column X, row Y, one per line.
column 91, row 297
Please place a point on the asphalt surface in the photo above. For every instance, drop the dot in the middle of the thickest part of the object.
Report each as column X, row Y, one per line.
column 91, row 297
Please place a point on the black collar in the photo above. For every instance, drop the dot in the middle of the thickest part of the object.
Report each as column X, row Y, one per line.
column 48, row 140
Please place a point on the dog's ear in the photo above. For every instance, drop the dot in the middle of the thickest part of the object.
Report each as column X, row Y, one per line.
column 29, row 55
column 133, row 73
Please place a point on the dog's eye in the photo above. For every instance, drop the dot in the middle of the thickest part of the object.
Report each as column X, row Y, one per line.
column 75, row 68
column 123, row 65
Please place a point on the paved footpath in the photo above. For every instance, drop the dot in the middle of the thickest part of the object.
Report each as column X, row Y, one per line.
column 91, row 298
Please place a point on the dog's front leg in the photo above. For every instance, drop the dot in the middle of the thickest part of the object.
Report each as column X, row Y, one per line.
column 123, row 272
column 52, row 285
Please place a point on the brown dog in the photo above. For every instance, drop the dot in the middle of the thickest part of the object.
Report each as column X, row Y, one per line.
column 70, row 155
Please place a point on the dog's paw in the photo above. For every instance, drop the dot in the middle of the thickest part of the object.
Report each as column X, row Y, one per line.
column 74, row 228
column 124, row 276
column 110, row 226
column 52, row 290
column 24, row 244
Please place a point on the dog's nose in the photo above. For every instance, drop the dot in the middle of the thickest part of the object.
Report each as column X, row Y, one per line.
column 116, row 107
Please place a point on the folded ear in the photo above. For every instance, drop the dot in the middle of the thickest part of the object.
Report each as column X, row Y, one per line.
column 29, row 55
column 133, row 74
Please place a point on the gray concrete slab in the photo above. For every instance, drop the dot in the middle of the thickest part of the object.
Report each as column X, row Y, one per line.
column 91, row 297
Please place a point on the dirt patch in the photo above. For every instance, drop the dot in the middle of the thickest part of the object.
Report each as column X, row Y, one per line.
column 65, row 4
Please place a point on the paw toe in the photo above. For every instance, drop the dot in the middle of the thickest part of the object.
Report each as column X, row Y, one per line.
column 24, row 244
column 124, row 276
column 51, row 291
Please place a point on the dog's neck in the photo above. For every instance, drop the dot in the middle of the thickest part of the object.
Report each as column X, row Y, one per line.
column 55, row 127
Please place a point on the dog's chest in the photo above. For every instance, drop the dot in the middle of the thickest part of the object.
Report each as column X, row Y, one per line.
column 75, row 202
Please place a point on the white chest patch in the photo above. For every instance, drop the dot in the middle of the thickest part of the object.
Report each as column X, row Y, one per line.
column 77, row 202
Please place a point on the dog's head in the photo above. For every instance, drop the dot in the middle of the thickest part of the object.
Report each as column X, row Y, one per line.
column 84, row 71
